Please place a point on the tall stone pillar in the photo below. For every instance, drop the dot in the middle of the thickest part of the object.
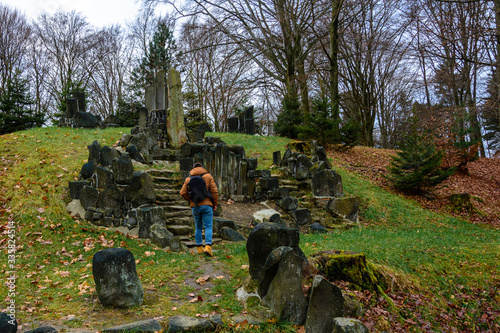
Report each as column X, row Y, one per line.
column 150, row 95
column 160, row 91
column 175, row 118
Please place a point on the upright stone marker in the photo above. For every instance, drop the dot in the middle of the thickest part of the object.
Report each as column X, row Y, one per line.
column 143, row 117
column 160, row 90
column 150, row 94
column 116, row 280
column 175, row 118
column 71, row 107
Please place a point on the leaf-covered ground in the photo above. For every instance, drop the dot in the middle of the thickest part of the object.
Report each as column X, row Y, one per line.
column 482, row 183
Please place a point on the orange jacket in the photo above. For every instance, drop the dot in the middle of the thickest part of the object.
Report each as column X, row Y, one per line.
column 209, row 180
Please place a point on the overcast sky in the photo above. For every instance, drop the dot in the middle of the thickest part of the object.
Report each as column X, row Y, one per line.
column 99, row 13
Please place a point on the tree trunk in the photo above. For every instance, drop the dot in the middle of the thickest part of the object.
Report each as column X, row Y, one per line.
column 496, row 4
column 334, row 65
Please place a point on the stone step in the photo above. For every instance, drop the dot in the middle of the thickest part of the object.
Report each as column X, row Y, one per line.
column 165, row 180
column 180, row 230
column 172, row 155
column 179, row 213
column 168, row 187
column 162, row 173
column 175, row 203
column 188, row 221
column 172, row 208
column 170, row 197
column 167, row 191
column 290, row 187
column 191, row 243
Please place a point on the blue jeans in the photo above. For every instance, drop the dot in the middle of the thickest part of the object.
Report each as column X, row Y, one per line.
column 203, row 218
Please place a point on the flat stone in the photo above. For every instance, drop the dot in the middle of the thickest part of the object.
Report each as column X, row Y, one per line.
column 143, row 326
column 188, row 324
column 264, row 214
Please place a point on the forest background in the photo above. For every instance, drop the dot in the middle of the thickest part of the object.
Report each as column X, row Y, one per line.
column 369, row 65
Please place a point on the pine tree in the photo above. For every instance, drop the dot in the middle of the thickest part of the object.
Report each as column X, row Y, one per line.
column 290, row 118
column 417, row 167
column 319, row 123
column 15, row 107
column 161, row 55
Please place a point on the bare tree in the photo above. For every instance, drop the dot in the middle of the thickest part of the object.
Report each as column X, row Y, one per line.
column 14, row 44
column 65, row 39
column 216, row 70
column 278, row 31
column 108, row 67
column 373, row 54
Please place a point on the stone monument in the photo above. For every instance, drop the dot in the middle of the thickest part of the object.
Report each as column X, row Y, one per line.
column 175, row 117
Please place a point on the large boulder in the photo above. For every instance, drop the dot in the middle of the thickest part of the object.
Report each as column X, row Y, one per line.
column 327, row 183
column 325, row 303
column 266, row 237
column 283, row 295
column 123, row 170
column 141, row 189
column 116, row 280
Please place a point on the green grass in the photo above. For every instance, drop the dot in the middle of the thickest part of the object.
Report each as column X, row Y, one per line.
column 453, row 263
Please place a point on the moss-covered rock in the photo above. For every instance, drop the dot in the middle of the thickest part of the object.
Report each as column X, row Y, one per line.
column 461, row 202
column 338, row 265
column 303, row 147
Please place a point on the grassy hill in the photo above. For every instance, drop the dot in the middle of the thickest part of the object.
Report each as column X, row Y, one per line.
column 443, row 271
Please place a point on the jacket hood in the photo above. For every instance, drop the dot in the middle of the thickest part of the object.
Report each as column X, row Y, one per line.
column 198, row 171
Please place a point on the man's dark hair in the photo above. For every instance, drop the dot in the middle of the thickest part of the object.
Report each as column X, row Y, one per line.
column 196, row 165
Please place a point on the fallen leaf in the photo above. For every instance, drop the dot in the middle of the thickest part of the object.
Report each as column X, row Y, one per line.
column 203, row 279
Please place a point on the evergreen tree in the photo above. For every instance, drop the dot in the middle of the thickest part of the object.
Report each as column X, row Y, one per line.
column 319, row 123
column 417, row 166
column 290, row 118
column 491, row 116
column 161, row 55
column 15, row 107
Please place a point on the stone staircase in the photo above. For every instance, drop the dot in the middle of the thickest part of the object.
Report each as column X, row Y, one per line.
column 179, row 220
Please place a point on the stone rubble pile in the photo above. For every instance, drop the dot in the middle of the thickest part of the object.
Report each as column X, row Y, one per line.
column 276, row 266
